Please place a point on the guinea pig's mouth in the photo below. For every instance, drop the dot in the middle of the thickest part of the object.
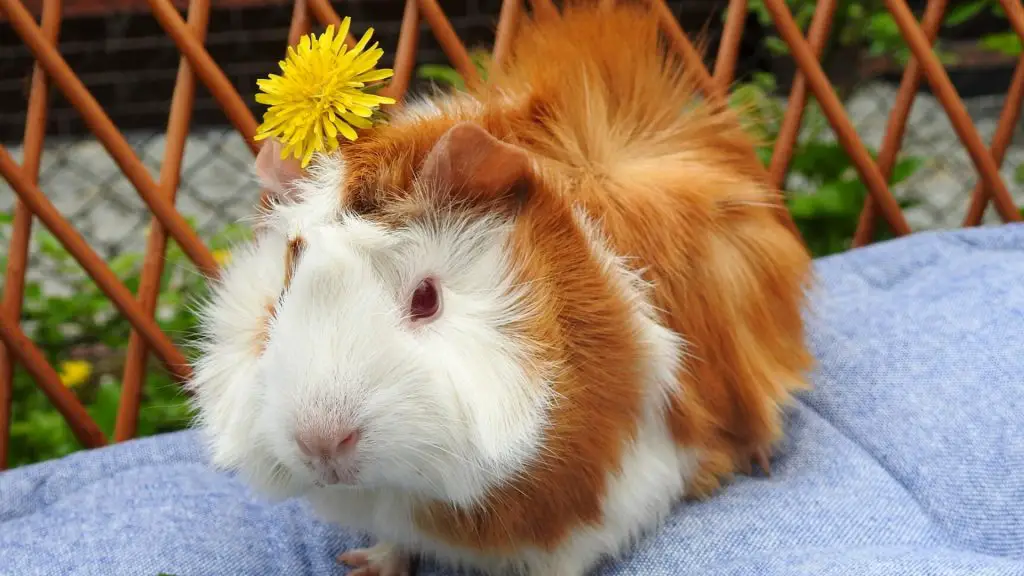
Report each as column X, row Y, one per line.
column 331, row 470
column 338, row 475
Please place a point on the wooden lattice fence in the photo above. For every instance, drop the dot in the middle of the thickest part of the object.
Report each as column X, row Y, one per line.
column 197, row 66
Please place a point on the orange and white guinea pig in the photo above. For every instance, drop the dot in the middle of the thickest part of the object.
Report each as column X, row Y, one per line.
column 512, row 329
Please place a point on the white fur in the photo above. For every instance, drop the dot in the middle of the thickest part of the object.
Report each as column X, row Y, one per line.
column 449, row 409
column 655, row 471
column 419, row 108
column 652, row 479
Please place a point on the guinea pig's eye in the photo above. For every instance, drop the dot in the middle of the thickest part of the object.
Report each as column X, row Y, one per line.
column 426, row 300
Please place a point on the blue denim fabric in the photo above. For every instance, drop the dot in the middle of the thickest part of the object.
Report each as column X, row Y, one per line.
column 906, row 459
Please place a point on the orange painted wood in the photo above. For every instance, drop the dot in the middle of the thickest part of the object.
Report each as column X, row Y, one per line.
column 405, row 54
column 782, row 153
column 934, row 12
column 691, row 57
column 946, row 94
column 300, row 25
column 211, row 75
column 63, row 399
column 1008, row 119
column 833, row 110
column 326, row 15
column 450, row 43
column 543, row 9
column 21, row 231
column 94, row 266
column 729, row 48
column 156, row 244
column 197, row 65
column 1015, row 14
column 108, row 134
column 100, row 8
column 508, row 20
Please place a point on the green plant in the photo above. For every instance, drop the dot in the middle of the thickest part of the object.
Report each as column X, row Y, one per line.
column 447, row 78
column 1006, row 42
column 855, row 23
column 77, row 327
column 825, row 194
column 870, row 24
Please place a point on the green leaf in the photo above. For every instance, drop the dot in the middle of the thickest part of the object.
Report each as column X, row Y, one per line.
column 1018, row 174
column 104, row 407
column 905, row 168
column 964, row 12
column 445, row 75
column 830, row 199
column 50, row 246
column 125, row 263
column 883, row 25
column 820, row 161
column 482, row 60
column 776, row 45
column 1007, row 43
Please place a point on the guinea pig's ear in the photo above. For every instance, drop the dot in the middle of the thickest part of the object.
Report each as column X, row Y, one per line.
column 471, row 161
column 277, row 174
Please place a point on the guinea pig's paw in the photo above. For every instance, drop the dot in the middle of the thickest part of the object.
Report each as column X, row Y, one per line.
column 384, row 559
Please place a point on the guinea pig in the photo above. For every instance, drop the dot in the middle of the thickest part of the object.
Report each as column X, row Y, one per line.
column 515, row 328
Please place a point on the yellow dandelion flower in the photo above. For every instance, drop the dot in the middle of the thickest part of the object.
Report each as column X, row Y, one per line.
column 74, row 373
column 319, row 93
column 222, row 257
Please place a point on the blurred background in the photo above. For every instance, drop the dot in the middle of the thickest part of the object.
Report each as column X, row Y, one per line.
column 129, row 64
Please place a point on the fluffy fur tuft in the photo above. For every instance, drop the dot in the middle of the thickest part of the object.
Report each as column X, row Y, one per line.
column 621, row 319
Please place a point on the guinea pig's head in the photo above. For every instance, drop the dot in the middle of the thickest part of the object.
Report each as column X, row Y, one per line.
column 382, row 328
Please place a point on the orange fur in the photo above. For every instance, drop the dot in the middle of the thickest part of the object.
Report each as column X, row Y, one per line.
column 291, row 257
column 610, row 121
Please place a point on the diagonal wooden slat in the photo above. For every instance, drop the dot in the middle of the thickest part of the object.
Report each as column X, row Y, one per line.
column 93, row 265
column 450, row 43
column 729, row 48
column 1015, row 14
column 543, row 9
column 691, row 56
column 833, row 110
column 405, row 54
column 508, row 21
column 197, row 64
column 156, row 243
column 300, row 24
column 326, row 15
column 211, row 75
column 947, row 95
column 1008, row 119
column 64, row 400
column 782, row 153
column 934, row 12
column 17, row 255
column 108, row 134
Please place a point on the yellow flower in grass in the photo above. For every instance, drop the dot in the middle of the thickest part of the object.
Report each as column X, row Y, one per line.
column 320, row 93
column 222, row 257
column 74, row 373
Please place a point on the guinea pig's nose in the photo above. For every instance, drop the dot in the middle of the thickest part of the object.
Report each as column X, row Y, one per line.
column 318, row 445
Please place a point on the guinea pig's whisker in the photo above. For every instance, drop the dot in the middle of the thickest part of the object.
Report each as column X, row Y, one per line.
column 454, row 455
column 418, row 451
